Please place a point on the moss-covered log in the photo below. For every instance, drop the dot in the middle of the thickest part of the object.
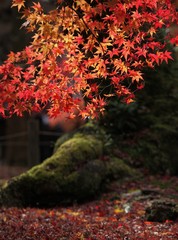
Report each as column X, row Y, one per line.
column 75, row 172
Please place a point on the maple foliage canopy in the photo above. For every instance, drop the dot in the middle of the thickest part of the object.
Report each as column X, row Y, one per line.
column 92, row 48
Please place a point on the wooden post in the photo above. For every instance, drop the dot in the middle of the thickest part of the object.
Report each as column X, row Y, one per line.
column 33, row 142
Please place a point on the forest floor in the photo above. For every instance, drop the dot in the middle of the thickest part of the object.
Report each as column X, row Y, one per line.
column 118, row 214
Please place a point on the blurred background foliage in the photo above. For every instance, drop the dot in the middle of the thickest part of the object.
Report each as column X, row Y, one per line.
column 146, row 130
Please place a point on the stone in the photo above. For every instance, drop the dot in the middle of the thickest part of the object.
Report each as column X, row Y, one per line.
column 76, row 172
column 162, row 210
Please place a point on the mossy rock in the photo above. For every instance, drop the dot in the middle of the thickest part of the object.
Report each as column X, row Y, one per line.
column 74, row 173
column 117, row 169
column 162, row 210
column 61, row 177
column 89, row 128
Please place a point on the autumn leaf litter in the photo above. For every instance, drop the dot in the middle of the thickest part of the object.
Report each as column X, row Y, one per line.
column 117, row 214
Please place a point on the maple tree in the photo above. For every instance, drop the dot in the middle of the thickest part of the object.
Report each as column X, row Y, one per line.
column 90, row 48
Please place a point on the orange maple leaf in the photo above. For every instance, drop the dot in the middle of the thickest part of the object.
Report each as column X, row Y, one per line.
column 18, row 3
column 37, row 7
column 135, row 75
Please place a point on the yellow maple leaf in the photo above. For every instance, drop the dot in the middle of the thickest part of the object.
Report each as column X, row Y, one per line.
column 120, row 65
column 118, row 210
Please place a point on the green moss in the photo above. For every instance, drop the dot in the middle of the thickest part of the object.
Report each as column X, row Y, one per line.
column 117, row 169
column 2, row 182
column 61, row 140
column 75, row 172
column 17, row 192
column 64, row 177
column 88, row 129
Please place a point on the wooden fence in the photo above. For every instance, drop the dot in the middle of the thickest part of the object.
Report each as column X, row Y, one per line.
column 33, row 140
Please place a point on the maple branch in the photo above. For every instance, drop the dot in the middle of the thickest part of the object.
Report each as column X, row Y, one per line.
column 69, row 3
column 65, row 4
column 80, row 15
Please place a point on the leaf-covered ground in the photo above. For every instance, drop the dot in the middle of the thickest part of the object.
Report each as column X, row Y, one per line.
column 117, row 214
